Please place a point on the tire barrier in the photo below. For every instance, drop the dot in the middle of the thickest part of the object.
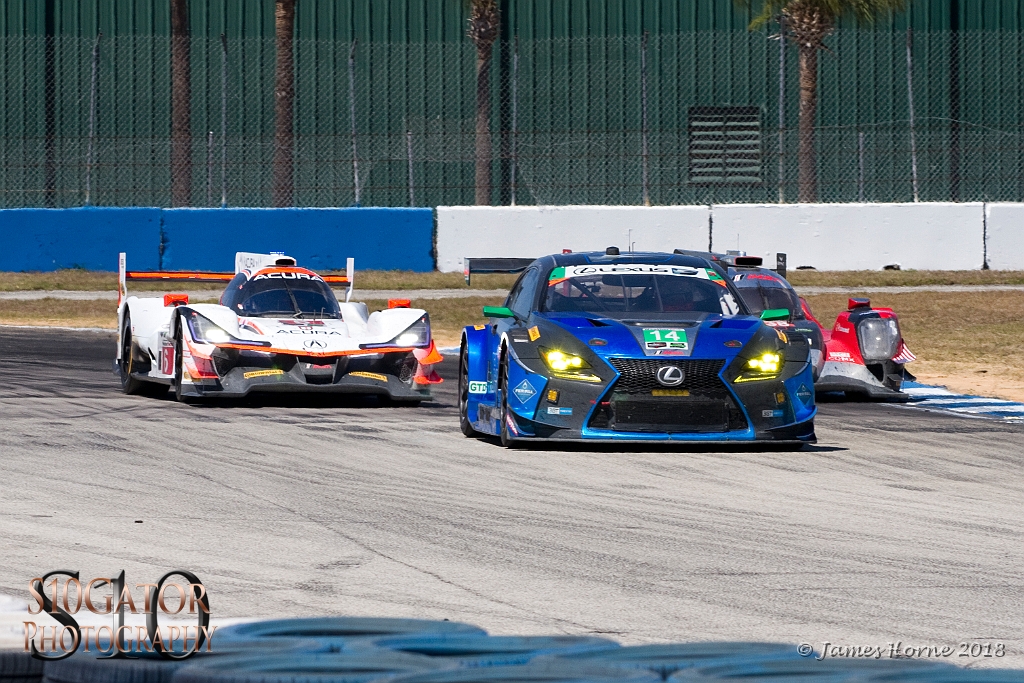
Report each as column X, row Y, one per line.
column 490, row 651
column 671, row 657
column 365, row 650
column 20, row 667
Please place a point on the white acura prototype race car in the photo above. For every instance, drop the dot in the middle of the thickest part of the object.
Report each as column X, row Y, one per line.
column 277, row 327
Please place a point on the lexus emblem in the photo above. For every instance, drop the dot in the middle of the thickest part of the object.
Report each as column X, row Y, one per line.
column 670, row 376
column 317, row 344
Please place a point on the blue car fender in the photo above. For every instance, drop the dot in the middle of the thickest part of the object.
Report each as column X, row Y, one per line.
column 476, row 342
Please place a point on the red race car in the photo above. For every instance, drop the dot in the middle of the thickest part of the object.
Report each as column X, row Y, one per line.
column 862, row 354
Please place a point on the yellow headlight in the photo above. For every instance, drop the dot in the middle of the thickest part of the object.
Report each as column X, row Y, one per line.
column 561, row 362
column 766, row 362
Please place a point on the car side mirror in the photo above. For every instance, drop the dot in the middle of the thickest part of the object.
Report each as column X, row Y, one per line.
column 498, row 312
column 775, row 314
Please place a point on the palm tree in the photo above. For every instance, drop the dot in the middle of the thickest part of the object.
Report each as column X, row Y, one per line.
column 807, row 23
column 181, row 106
column 484, row 26
column 284, row 99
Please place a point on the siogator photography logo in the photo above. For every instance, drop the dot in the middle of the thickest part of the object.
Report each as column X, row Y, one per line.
column 63, row 599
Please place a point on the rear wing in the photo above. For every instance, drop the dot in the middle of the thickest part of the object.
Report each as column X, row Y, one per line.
column 124, row 275
column 494, row 265
column 738, row 259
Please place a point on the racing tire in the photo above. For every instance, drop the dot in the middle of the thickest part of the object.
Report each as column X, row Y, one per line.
column 464, row 422
column 132, row 385
column 178, row 370
column 503, row 434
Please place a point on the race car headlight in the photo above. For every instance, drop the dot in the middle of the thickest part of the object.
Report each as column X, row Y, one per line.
column 879, row 338
column 567, row 365
column 762, row 367
column 205, row 331
column 416, row 335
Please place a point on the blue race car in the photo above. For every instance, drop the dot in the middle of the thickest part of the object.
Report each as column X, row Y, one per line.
column 637, row 347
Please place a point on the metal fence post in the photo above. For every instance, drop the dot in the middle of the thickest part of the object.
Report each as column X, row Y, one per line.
column 515, row 117
column 92, row 119
column 408, row 149
column 782, row 109
column 352, row 116
column 209, row 169
column 224, row 122
column 910, row 102
column 643, row 106
column 860, row 165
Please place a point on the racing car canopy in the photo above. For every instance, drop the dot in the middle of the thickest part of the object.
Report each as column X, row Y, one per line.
column 281, row 292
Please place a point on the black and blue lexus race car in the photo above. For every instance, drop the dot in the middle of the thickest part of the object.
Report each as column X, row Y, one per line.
column 632, row 347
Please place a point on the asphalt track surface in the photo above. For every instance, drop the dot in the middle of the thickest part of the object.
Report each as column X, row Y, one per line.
column 900, row 525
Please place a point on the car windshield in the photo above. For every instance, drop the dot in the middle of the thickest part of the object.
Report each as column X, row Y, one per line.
column 269, row 297
column 624, row 290
column 763, row 292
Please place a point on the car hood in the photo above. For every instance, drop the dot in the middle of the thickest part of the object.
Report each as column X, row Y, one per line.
column 699, row 335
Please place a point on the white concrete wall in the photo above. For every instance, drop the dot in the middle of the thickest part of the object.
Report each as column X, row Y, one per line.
column 1005, row 236
column 533, row 231
column 926, row 236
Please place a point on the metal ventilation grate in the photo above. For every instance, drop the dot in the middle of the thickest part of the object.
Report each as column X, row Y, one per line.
column 725, row 145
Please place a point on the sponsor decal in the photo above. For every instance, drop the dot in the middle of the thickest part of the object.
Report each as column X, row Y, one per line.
column 519, row 337
column 479, row 327
column 804, row 394
column 478, row 387
column 49, row 641
column 369, row 375
column 670, row 376
column 303, row 323
column 288, row 276
column 596, row 341
column 734, row 344
column 563, row 273
column 552, row 396
column 554, row 410
column 761, row 276
column 263, row 373
column 670, row 392
column 844, row 330
column 782, row 335
column 776, row 323
column 715, row 277
column 314, row 344
column 525, row 391
column 771, row 413
column 669, row 352
column 665, row 338
column 780, row 397
column 841, row 357
column 305, row 331
column 534, row 333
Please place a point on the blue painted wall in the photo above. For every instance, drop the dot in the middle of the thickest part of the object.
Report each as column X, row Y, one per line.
column 321, row 239
column 207, row 239
column 91, row 238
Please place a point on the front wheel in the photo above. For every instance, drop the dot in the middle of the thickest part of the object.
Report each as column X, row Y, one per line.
column 503, row 431
column 464, row 422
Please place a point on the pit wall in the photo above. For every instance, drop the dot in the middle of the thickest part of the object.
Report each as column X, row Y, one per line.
column 825, row 236
column 926, row 236
column 207, row 239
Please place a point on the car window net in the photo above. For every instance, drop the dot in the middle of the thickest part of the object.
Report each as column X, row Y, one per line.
column 627, row 294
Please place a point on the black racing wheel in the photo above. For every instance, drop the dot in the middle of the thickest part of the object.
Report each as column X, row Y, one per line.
column 464, row 422
column 504, row 434
column 127, row 364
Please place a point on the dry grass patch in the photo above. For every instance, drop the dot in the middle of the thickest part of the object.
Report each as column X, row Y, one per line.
column 902, row 278
column 59, row 312
column 972, row 342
